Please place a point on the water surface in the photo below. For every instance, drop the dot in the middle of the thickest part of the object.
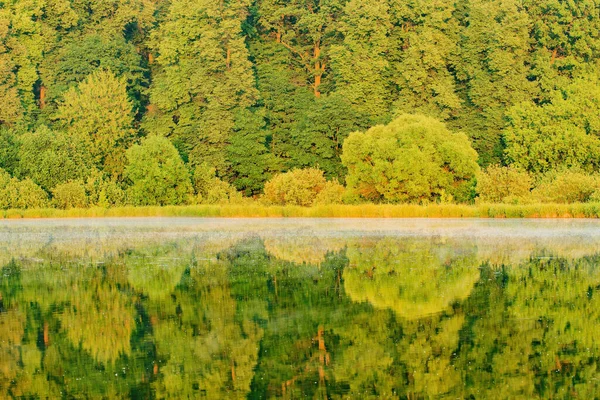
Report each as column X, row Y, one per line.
column 296, row 308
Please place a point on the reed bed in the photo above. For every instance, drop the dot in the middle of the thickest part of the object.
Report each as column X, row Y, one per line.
column 581, row 210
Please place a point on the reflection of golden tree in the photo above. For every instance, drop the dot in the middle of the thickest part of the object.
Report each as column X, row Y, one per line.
column 302, row 249
column 414, row 278
column 367, row 362
column 12, row 328
column 427, row 354
column 99, row 318
column 557, row 304
column 209, row 348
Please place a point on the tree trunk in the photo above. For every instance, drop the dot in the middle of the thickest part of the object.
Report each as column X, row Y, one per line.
column 319, row 69
column 46, row 334
column 43, row 93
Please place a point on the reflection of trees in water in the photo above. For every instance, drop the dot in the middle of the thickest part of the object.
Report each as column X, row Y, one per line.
column 12, row 328
column 204, row 346
column 302, row 249
column 536, row 331
column 383, row 318
column 415, row 278
column 99, row 318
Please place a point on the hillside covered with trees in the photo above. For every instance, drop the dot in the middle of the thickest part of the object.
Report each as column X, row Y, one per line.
column 156, row 102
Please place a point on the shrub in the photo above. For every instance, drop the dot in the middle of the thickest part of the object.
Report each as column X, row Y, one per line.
column 103, row 192
column 569, row 186
column 157, row 173
column 503, row 184
column 413, row 159
column 70, row 195
column 30, row 195
column 332, row 193
column 20, row 194
column 297, row 187
column 50, row 158
column 211, row 190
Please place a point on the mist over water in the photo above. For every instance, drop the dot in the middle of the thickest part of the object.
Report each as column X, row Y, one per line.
column 294, row 308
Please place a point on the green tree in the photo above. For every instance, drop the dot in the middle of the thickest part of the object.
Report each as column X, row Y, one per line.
column 70, row 194
column 103, row 192
column 412, row 159
column 99, row 114
column 158, row 175
column 569, row 186
column 563, row 132
column 11, row 111
column 113, row 17
column 22, row 46
column 493, row 71
column 249, row 159
column 51, row 157
column 210, row 189
column 20, row 194
column 426, row 37
column 203, row 76
column 282, row 98
column 567, row 41
column 78, row 57
column 9, row 150
column 360, row 64
column 317, row 136
column 305, row 29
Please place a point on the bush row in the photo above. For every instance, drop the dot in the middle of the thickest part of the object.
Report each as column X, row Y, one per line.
column 514, row 186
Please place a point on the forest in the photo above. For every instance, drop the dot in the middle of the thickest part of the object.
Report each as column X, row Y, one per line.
column 172, row 102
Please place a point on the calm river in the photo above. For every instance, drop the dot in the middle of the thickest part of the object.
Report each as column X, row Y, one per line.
column 297, row 308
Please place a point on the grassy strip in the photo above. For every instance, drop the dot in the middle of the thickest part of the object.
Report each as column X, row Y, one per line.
column 584, row 210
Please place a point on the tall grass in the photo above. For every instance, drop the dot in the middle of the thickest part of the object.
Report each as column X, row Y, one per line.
column 582, row 210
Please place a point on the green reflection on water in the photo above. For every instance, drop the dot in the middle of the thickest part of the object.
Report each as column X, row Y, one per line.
column 273, row 315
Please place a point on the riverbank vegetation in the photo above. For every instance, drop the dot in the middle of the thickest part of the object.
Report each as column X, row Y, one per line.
column 259, row 105
column 252, row 209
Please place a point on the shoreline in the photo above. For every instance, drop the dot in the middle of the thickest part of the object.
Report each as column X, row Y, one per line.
column 534, row 211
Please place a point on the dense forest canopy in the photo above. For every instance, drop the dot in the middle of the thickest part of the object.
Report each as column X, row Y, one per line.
column 246, row 89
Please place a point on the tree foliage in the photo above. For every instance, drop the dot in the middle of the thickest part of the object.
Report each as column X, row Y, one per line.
column 563, row 132
column 52, row 157
column 257, row 88
column 99, row 115
column 18, row 194
column 503, row 184
column 414, row 158
column 297, row 187
column 158, row 175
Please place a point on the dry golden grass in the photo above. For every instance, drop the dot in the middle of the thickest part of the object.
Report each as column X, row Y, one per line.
column 584, row 210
